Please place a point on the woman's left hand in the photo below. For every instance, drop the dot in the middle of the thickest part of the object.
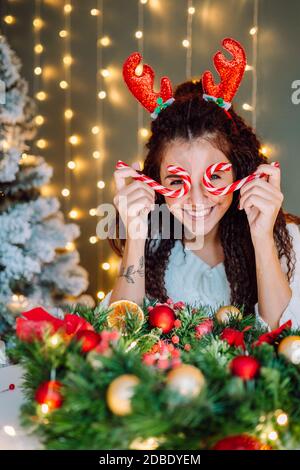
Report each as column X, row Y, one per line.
column 262, row 199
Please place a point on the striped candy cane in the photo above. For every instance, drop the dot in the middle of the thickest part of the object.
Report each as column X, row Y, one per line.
column 175, row 170
column 233, row 186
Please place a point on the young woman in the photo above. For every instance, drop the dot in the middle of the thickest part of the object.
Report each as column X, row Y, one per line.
column 251, row 250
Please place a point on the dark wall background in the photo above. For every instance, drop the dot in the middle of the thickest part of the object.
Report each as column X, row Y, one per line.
column 164, row 28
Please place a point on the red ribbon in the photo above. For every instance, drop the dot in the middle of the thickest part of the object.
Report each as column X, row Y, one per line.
column 34, row 323
column 272, row 335
column 234, row 337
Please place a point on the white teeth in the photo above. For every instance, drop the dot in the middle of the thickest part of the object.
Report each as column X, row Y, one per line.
column 199, row 213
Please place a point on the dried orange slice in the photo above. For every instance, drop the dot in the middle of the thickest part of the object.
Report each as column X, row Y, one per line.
column 116, row 318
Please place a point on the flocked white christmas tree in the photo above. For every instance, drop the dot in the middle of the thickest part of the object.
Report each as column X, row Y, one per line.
column 35, row 266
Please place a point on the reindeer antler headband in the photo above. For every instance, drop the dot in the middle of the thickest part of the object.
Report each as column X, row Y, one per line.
column 231, row 73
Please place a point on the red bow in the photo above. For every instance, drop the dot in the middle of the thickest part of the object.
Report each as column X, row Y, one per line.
column 272, row 335
column 234, row 337
column 33, row 324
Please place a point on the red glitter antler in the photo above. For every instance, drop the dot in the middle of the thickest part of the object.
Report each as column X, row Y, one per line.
column 230, row 71
column 141, row 86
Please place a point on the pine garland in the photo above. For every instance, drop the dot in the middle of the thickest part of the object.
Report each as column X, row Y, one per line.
column 265, row 407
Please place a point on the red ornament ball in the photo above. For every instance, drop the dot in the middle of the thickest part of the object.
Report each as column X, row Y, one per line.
column 240, row 442
column 245, row 367
column 162, row 317
column 12, row 386
column 89, row 340
column 49, row 393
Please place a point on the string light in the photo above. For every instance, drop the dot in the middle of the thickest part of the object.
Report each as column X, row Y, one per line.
column 70, row 246
column 71, row 165
column 68, row 114
column 102, row 94
column 187, row 43
column 95, row 130
column 41, row 95
column 39, row 120
column 93, row 240
column 105, row 41
column 144, row 132
column 247, row 107
column 9, row 19
column 105, row 73
column 96, row 154
column 93, row 212
column 73, row 214
column 253, row 32
column 100, row 294
column 282, row 419
column 65, row 85
column 65, row 192
column 101, row 184
column 41, row 143
column 95, row 12
column 74, row 139
column 105, row 266
column 139, row 34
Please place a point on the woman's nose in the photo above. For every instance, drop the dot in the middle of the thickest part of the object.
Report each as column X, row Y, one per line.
column 197, row 193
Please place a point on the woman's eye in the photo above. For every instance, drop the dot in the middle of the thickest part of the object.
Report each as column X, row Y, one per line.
column 175, row 182
column 215, row 176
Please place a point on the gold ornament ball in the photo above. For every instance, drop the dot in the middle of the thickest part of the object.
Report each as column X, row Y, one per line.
column 224, row 314
column 119, row 394
column 290, row 348
column 186, row 379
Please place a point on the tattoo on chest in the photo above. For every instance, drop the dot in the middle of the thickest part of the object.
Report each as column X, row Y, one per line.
column 129, row 271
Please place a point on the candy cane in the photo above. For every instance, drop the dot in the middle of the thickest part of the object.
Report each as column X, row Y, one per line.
column 175, row 170
column 222, row 166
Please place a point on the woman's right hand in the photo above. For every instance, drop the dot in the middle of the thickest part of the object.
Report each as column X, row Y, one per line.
column 133, row 201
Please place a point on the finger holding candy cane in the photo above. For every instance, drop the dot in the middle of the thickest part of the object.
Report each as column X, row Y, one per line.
column 175, row 170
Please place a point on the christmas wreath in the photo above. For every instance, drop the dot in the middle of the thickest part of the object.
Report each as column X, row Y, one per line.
column 159, row 376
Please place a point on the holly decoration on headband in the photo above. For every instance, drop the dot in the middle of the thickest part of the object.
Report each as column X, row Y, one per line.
column 161, row 105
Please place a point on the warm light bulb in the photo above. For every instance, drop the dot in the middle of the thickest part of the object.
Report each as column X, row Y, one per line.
column 186, row 43
column 44, row 408
column 105, row 266
column 248, row 67
column 37, row 23
column 73, row 214
column 102, row 95
column 68, row 113
column 95, row 130
column 9, row 19
column 95, row 12
column 63, row 33
column 41, row 95
column 93, row 240
column 74, row 139
column 100, row 294
column 100, row 184
column 105, row 73
column 38, row 48
column 68, row 8
column 144, row 132
column 105, row 41
column 39, row 120
column 143, row 2
column 247, row 107
column 273, row 436
column 93, row 212
column 70, row 246
column 38, row 70
column 264, row 150
column 63, row 84
column 96, row 154
column 71, row 165
column 65, row 192
column 282, row 419
column 41, row 143
column 139, row 34
column 253, row 30
column 191, row 10
column 67, row 59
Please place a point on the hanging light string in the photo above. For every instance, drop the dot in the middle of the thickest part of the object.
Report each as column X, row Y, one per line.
column 254, row 59
column 139, row 34
column 101, row 73
column 65, row 85
column 38, row 48
column 189, row 38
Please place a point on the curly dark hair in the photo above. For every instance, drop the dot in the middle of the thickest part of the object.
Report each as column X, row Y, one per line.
column 190, row 116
